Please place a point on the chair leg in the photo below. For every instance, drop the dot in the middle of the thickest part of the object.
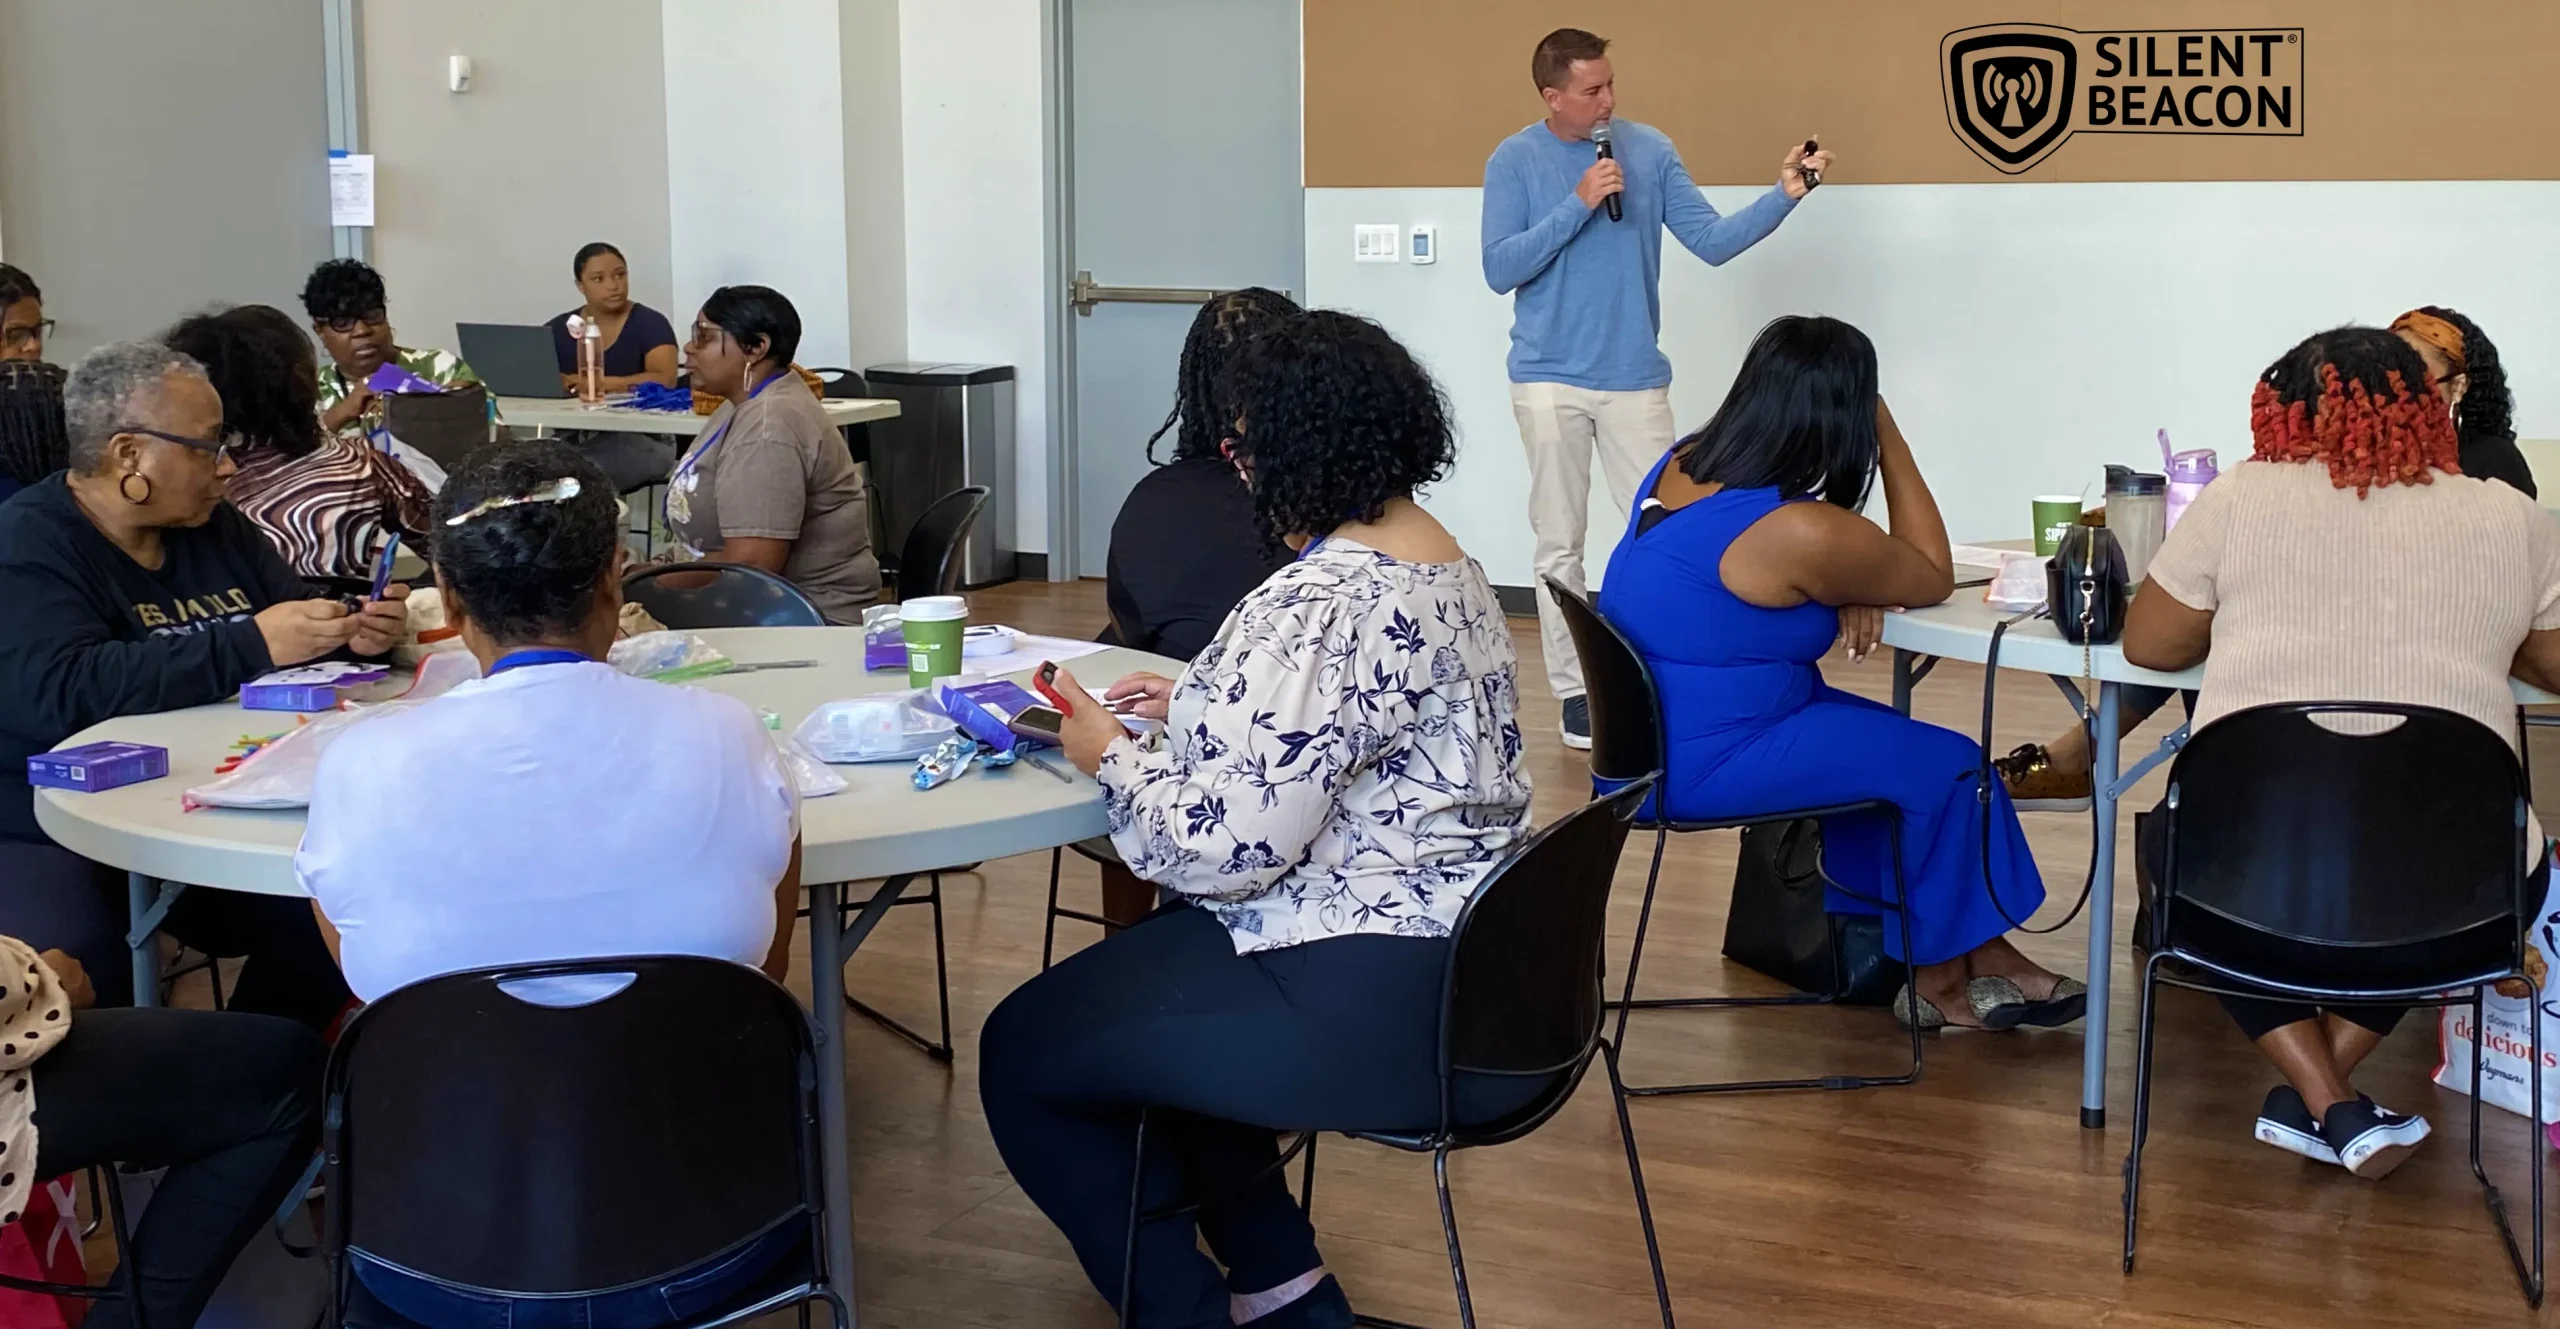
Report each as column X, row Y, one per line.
column 2141, row 1106
column 1635, row 1175
column 1137, row 1206
column 939, row 1051
column 1644, row 918
column 1449, row 1226
column 2528, row 1274
column 1049, row 933
column 127, row 1272
column 1307, row 1180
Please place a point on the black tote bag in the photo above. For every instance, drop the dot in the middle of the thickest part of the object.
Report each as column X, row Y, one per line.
column 1778, row 926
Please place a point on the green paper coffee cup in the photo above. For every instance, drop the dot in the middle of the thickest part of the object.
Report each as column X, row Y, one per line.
column 2055, row 514
column 933, row 625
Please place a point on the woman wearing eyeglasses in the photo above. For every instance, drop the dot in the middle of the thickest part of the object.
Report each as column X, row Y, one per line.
column 133, row 588
column 769, row 483
column 350, row 312
column 23, row 326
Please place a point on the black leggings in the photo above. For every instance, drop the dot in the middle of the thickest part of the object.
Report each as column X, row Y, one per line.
column 53, row 899
column 1228, row 1050
column 226, row 1102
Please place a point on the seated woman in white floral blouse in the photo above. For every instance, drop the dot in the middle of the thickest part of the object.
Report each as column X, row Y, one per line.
column 1339, row 769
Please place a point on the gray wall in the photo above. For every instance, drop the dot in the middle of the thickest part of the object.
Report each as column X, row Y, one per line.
column 486, row 195
column 157, row 156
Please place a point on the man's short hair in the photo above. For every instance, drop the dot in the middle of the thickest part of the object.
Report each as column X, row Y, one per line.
column 1557, row 52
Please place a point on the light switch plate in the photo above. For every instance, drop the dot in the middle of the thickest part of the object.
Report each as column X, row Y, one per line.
column 1377, row 244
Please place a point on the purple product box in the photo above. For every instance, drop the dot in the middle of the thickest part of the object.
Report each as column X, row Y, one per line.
column 982, row 710
column 95, row 766
column 309, row 688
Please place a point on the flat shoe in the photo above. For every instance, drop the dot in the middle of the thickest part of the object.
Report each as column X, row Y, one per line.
column 2069, row 1002
column 1996, row 1002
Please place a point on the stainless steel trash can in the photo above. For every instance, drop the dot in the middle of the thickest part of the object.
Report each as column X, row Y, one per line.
column 954, row 428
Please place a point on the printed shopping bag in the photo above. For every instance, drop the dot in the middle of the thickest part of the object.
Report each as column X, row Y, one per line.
column 44, row 1245
column 2509, row 1014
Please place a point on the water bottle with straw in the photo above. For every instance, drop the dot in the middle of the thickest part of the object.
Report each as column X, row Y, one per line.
column 2189, row 473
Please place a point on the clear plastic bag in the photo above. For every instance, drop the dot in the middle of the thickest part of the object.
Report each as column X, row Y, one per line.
column 280, row 774
column 808, row 774
column 668, row 657
column 887, row 726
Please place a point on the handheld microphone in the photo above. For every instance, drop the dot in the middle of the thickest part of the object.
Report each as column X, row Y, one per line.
column 1600, row 140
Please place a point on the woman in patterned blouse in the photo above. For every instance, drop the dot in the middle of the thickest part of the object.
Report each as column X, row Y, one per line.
column 328, row 501
column 1339, row 769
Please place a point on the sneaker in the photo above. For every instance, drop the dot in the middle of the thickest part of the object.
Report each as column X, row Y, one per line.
column 1577, row 723
column 2371, row 1139
column 2286, row 1123
column 2035, row 786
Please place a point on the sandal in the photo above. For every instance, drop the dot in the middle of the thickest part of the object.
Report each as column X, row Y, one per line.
column 2069, row 1002
column 1996, row 1002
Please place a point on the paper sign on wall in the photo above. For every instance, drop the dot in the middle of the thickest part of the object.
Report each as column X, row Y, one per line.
column 350, row 189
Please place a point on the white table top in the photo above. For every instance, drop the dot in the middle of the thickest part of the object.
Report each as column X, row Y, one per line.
column 569, row 413
column 878, row 826
column 1960, row 629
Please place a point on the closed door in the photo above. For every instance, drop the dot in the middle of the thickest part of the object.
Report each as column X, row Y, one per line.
column 1184, row 171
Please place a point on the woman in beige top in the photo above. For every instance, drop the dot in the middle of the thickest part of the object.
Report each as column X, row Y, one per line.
column 2349, row 560
column 769, row 483
column 225, row 1101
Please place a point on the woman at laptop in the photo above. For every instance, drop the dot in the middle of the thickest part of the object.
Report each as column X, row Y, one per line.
column 639, row 343
column 327, row 502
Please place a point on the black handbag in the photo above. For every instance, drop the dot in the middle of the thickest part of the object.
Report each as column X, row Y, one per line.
column 1778, row 926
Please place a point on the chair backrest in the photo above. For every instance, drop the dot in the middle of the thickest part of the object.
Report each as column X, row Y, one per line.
column 931, row 563
column 447, row 426
column 2407, row 827
column 842, row 382
column 720, row 595
column 485, row 1140
column 1524, row 994
column 1626, row 715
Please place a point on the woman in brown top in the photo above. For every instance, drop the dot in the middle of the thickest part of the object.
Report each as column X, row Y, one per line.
column 2349, row 559
column 769, row 483
column 327, row 501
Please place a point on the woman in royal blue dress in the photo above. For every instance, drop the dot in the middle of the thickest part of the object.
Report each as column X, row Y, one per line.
column 1746, row 559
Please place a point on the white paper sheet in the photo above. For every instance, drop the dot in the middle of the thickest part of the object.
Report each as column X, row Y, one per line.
column 351, row 189
column 1028, row 653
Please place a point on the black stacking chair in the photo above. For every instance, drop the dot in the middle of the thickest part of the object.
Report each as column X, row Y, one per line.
column 932, row 561
column 736, row 596
column 1627, row 745
column 2338, row 868
column 1523, row 1002
column 509, row 1148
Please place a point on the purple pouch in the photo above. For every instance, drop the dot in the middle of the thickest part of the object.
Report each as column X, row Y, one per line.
column 392, row 378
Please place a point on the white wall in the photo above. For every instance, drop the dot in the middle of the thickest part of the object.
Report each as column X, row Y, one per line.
column 875, row 231
column 2027, row 334
column 756, row 157
column 972, row 80
column 485, row 196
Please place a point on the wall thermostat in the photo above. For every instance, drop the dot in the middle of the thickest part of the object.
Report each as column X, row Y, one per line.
column 1424, row 245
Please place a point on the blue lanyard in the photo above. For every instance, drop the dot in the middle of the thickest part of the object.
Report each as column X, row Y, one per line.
column 1312, row 546
column 534, row 655
column 700, row 450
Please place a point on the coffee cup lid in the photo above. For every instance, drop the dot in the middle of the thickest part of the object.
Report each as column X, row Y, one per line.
column 933, row 609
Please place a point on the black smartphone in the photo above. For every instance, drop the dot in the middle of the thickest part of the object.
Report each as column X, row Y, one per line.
column 1041, row 724
column 1812, row 177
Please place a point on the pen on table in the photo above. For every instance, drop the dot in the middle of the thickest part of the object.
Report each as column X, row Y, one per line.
column 1043, row 763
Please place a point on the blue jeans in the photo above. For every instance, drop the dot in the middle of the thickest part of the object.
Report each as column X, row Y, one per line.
column 689, row 1296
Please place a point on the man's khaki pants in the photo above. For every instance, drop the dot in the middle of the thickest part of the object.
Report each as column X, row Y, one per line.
column 1561, row 426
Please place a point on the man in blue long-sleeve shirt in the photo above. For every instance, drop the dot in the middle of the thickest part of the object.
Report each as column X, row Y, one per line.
column 1587, row 313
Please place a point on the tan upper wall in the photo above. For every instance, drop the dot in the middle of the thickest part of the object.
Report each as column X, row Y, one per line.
column 1417, row 92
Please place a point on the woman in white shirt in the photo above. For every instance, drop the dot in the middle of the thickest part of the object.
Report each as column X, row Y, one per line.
column 553, row 809
column 2352, row 522
column 1340, row 768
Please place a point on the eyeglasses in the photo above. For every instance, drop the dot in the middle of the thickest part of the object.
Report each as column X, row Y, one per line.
column 28, row 334
column 349, row 326
column 219, row 447
column 704, row 334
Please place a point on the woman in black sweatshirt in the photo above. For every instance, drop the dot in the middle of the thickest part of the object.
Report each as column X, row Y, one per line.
column 131, row 588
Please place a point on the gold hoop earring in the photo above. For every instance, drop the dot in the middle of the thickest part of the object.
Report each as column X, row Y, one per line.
column 124, row 486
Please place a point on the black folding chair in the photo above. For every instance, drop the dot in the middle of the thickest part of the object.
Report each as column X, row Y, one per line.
column 933, row 560
column 499, row 1146
column 711, row 594
column 2336, row 865
column 1523, row 1002
column 1627, row 745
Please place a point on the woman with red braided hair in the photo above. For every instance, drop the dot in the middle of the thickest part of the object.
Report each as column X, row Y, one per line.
column 2352, row 522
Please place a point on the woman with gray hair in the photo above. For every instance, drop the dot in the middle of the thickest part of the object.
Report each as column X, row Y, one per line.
column 133, row 588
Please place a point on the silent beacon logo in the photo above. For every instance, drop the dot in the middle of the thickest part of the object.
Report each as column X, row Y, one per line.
column 2016, row 92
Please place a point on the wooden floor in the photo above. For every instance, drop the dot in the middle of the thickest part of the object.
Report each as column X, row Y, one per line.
column 1971, row 1199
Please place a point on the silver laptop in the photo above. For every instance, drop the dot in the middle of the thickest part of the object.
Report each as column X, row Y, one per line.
column 514, row 359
